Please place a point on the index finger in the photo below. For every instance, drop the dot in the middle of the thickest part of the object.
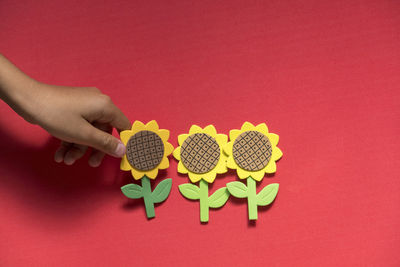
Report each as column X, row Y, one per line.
column 120, row 121
column 116, row 118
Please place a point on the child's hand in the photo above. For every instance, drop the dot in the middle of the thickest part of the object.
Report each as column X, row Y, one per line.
column 81, row 117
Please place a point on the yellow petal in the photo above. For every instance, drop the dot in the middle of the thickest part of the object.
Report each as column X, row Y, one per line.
column 210, row 177
column 164, row 164
column 262, row 127
column 152, row 126
column 138, row 126
column 195, row 129
column 243, row 174
column 210, row 129
column 221, row 167
column 221, row 139
column 223, row 157
column 194, row 177
column 231, row 164
column 271, row 167
column 181, row 168
column 164, row 134
column 177, row 153
column 257, row 175
column 125, row 135
column 168, row 148
column 125, row 166
column 182, row 138
column 228, row 148
column 152, row 174
column 247, row 126
column 233, row 134
column 273, row 138
column 137, row 174
column 276, row 153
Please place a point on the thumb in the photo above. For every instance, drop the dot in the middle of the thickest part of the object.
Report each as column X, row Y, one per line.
column 105, row 142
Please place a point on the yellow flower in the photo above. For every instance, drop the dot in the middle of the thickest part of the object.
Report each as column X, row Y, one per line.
column 147, row 149
column 200, row 153
column 252, row 151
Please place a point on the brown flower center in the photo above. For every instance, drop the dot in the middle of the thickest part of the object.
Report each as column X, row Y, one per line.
column 145, row 150
column 252, row 150
column 200, row 153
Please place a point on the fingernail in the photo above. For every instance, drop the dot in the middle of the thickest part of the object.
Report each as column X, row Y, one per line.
column 120, row 150
column 94, row 163
column 58, row 159
column 69, row 161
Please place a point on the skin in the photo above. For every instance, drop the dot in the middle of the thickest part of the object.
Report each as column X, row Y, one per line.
column 81, row 117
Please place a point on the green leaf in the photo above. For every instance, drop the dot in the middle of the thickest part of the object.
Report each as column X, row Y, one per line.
column 162, row 190
column 267, row 194
column 219, row 198
column 189, row 191
column 237, row 189
column 132, row 191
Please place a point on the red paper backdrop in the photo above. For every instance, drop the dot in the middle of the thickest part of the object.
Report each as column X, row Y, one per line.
column 324, row 75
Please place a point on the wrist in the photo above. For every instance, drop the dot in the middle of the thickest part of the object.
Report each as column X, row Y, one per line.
column 18, row 90
column 25, row 100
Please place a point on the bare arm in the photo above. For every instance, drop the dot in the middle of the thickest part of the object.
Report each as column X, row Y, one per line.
column 81, row 117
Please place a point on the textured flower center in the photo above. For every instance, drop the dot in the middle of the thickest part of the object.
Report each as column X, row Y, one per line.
column 145, row 150
column 252, row 150
column 200, row 153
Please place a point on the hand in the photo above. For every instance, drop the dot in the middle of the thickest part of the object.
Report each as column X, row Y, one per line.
column 81, row 117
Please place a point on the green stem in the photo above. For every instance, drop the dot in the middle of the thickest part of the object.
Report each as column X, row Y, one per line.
column 252, row 198
column 148, row 201
column 203, row 194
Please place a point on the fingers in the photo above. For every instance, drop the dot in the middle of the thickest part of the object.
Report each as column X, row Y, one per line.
column 74, row 153
column 103, row 141
column 69, row 153
column 120, row 121
column 94, row 130
column 96, row 158
column 60, row 153
column 113, row 115
column 98, row 136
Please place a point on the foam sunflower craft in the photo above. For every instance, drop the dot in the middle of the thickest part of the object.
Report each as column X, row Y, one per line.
column 253, row 151
column 200, row 155
column 147, row 151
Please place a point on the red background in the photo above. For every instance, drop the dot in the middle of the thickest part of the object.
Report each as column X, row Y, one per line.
column 324, row 75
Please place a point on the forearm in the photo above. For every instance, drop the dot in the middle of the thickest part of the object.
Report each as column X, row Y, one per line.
column 17, row 88
column 80, row 116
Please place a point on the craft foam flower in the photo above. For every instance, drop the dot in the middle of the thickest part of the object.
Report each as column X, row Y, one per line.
column 200, row 153
column 252, row 151
column 147, row 150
